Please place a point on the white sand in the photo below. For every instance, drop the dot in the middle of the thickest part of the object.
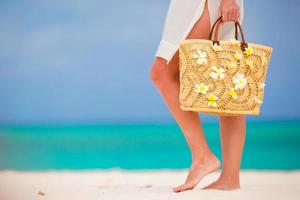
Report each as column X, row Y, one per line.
column 141, row 185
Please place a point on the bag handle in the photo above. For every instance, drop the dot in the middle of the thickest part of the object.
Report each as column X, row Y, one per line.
column 238, row 28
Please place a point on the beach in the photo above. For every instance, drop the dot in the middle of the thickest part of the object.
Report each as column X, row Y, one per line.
column 141, row 184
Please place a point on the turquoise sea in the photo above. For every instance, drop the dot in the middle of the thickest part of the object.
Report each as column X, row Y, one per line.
column 269, row 145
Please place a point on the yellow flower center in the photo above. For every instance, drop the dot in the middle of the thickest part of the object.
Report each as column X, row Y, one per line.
column 202, row 88
column 248, row 51
column 211, row 98
column 237, row 56
column 233, row 93
column 241, row 81
column 249, row 62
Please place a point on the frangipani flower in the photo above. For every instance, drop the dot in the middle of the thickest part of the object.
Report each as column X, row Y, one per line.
column 217, row 72
column 249, row 63
column 238, row 56
column 200, row 56
column 235, row 42
column 233, row 93
column 201, row 88
column 248, row 51
column 217, row 47
column 239, row 80
column 212, row 100
column 256, row 100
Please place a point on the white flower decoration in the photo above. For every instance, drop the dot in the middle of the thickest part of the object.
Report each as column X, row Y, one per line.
column 201, row 88
column 200, row 56
column 239, row 80
column 217, row 72
column 235, row 42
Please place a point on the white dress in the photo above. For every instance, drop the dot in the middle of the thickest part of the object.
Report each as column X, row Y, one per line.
column 181, row 17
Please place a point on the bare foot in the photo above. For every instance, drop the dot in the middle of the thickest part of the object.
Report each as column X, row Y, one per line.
column 199, row 169
column 223, row 184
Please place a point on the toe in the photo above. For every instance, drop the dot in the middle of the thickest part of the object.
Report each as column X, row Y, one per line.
column 178, row 188
column 187, row 187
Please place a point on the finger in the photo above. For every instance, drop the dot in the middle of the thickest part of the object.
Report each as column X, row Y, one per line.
column 238, row 14
column 227, row 15
column 233, row 15
column 230, row 15
column 219, row 13
column 224, row 15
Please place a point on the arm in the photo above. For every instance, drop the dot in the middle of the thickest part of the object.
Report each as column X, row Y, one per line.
column 229, row 10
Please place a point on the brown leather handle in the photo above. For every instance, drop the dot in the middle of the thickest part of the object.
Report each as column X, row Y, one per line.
column 238, row 29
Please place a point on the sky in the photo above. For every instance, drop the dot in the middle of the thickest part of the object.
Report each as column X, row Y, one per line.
column 88, row 61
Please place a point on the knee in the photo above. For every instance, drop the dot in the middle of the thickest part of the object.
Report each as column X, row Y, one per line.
column 159, row 72
column 156, row 71
column 154, row 74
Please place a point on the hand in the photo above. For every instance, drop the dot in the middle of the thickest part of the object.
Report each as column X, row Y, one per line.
column 229, row 10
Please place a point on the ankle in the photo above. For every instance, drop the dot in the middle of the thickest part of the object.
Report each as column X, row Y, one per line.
column 203, row 156
column 230, row 179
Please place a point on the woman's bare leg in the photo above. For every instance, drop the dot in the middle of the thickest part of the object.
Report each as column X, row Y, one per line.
column 166, row 79
column 233, row 131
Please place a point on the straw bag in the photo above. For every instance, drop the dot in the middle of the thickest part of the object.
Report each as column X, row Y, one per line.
column 222, row 77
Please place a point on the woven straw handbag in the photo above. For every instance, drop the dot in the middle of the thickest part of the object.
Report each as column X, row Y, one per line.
column 222, row 77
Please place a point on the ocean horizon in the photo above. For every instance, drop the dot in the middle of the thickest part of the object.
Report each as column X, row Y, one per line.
column 270, row 145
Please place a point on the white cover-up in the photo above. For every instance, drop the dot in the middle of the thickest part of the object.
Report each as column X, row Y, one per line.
column 180, row 19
